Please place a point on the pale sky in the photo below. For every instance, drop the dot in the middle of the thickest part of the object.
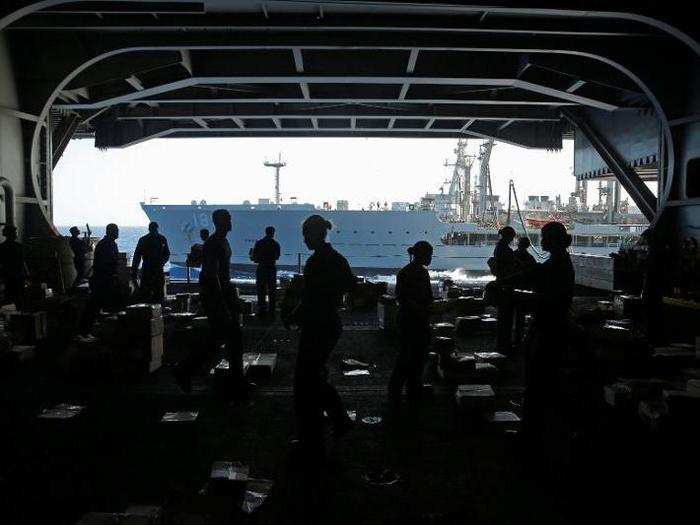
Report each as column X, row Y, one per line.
column 98, row 187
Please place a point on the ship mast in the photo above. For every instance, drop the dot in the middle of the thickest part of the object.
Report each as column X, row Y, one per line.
column 277, row 165
column 483, row 185
column 460, row 185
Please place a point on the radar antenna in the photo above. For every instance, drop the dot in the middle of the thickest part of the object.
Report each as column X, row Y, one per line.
column 277, row 165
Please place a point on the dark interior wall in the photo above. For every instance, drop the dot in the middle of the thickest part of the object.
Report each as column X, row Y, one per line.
column 11, row 139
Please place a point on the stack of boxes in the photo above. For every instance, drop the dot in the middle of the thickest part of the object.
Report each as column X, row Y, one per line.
column 144, row 324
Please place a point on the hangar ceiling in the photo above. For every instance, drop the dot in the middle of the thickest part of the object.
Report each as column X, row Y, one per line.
column 216, row 68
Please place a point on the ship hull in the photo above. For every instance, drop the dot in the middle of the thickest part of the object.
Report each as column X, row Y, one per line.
column 372, row 241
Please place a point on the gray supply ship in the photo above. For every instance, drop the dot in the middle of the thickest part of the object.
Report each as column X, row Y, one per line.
column 461, row 222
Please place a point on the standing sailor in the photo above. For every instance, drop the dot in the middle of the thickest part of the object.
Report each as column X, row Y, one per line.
column 415, row 296
column 327, row 277
column 153, row 249
column 265, row 253
column 221, row 306
column 104, row 287
column 12, row 267
column 525, row 261
column 79, row 247
column 504, row 265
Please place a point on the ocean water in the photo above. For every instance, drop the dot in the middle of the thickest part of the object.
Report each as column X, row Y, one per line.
column 129, row 237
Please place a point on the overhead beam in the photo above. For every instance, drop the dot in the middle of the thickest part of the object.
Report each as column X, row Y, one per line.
column 134, row 82
column 405, row 82
column 576, row 86
column 304, row 109
column 625, row 174
column 62, row 135
column 186, row 59
column 161, row 133
column 301, row 115
column 227, row 22
column 298, row 60
column 505, row 125
column 319, row 100
column 412, row 59
column 201, row 122
column 466, row 126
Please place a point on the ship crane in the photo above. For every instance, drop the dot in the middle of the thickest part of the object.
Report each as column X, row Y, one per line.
column 483, row 188
column 277, row 165
column 460, row 184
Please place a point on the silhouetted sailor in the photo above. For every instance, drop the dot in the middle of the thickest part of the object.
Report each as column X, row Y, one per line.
column 504, row 264
column 194, row 258
column 104, row 286
column 327, row 277
column 265, row 253
column 525, row 261
column 12, row 267
column 553, row 283
column 522, row 255
column 219, row 299
column 153, row 249
column 415, row 296
column 79, row 247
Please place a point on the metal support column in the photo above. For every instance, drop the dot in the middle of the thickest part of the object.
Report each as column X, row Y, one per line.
column 633, row 184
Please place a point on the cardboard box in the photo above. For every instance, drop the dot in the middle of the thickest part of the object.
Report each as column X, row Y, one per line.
column 464, row 306
column 101, row 518
column 503, row 419
column 628, row 305
column 23, row 353
column 489, row 357
column 693, row 386
column 440, row 307
column 475, row 397
column 485, row 372
column 144, row 311
column 181, row 320
column 27, row 327
column 456, row 366
column 443, row 329
column 443, row 345
column 617, row 394
column 259, row 365
column 489, row 324
column 467, row 325
column 200, row 323
column 228, row 478
column 144, row 515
